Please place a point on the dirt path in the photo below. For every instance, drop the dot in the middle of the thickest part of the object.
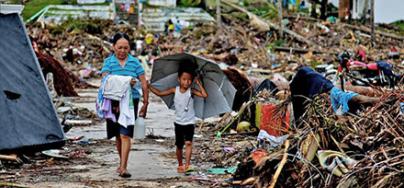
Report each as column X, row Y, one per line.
column 152, row 162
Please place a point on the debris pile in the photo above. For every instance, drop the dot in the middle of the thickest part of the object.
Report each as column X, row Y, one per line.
column 323, row 151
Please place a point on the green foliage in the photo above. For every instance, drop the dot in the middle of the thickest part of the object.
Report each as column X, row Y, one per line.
column 400, row 25
column 240, row 15
column 315, row 63
column 210, row 4
column 190, row 3
column 261, row 8
column 34, row 6
column 276, row 43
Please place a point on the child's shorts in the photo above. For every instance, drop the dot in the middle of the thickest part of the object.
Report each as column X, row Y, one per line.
column 183, row 133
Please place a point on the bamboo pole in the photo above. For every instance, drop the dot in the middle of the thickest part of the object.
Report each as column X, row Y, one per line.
column 372, row 22
column 280, row 167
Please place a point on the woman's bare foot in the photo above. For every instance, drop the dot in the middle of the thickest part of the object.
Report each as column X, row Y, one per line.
column 125, row 174
column 118, row 170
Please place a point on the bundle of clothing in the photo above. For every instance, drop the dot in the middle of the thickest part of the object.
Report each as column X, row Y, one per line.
column 117, row 88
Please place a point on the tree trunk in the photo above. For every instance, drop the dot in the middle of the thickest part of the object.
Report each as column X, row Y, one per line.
column 266, row 24
column 280, row 18
column 372, row 22
column 365, row 11
column 323, row 9
column 218, row 14
column 313, row 9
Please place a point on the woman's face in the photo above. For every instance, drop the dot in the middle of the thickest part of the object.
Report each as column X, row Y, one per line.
column 122, row 49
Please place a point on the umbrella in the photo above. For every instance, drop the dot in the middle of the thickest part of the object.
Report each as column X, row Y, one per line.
column 220, row 90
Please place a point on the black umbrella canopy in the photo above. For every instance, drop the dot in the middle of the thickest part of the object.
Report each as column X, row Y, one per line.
column 221, row 92
column 171, row 64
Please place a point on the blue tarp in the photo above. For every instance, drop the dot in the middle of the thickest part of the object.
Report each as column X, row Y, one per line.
column 28, row 120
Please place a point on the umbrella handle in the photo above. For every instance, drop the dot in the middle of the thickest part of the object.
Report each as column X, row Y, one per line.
column 221, row 84
column 186, row 107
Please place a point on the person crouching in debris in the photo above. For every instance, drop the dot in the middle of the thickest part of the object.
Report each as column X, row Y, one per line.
column 184, row 113
column 119, row 95
column 307, row 84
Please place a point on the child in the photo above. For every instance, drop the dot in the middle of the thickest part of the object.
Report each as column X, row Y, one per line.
column 184, row 114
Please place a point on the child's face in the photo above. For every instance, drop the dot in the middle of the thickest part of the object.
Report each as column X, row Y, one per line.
column 185, row 80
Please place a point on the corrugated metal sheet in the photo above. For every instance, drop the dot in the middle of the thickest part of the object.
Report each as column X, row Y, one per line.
column 154, row 18
column 162, row 3
column 8, row 9
column 28, row 119
column 59, row 13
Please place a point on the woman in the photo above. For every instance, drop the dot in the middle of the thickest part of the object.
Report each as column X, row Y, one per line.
column 122, row 63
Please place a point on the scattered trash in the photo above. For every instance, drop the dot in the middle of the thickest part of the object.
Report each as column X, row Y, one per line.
column 228, row 149
column 268, row 141
column 54, row 153
column 243, row 126
column 10, row 157
column 160, row 140
column 217, row 171
column 78, row 122
column 335, row 162
column 84, row 141
column 198, row 136
column 76, row 138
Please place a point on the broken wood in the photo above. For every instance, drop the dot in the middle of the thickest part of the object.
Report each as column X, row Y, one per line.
column 301, row 50
column 11, row 157
column 280, row 167
column 372, row 22
column 368, row 30
column 105, row 45
column 8, row 184
column 257, row 21
column 280, row 18
column 218, row 14
column 262, row 71
column 298, row 17
column 78, row 122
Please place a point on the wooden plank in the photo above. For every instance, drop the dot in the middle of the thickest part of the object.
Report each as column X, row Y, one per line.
column 301, row 50
column 11, row 157
column 368, row 30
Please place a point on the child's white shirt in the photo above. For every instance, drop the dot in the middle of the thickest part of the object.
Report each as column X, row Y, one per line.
column 184, row 107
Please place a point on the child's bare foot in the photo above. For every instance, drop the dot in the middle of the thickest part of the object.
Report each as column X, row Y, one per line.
column 188, row 168
column 181, row 169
